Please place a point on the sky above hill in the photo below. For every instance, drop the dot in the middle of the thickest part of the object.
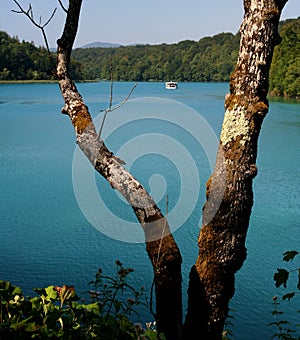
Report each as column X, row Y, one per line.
column 133, row 21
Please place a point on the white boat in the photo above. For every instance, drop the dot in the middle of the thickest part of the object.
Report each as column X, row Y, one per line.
column 171, row 85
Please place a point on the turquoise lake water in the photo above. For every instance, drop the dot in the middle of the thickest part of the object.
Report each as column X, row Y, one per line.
column 49, row 235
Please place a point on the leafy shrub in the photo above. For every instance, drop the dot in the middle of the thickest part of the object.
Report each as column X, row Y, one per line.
column 284, row 329
column 58, row 312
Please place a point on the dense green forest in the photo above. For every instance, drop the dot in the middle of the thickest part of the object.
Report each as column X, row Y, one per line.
column 209, row 59
column 24, row 61
column 285, row 68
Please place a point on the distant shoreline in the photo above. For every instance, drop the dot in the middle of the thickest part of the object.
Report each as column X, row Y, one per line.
column 41, row 81
column 274, row 97
column 27, row 81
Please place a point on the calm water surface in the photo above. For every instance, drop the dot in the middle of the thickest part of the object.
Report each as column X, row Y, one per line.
column 46, row 239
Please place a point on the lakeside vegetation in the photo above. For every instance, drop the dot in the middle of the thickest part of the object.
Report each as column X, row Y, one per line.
column 285, row 68
column 107, row 310
column 23, row 61
column 211, row 59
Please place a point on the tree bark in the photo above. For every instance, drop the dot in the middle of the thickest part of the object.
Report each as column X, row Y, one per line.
column 222, row 237
column 160, row 244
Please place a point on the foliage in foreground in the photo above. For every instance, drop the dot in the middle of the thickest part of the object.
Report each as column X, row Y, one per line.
column 284, row 329
column 57, row 312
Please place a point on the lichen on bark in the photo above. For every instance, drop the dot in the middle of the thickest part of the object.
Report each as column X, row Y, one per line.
column 235, row 124
column 222, row 237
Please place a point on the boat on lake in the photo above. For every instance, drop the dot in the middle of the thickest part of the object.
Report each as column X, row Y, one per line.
column 171, row 85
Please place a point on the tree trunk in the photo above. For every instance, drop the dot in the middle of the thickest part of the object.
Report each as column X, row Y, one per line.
column 227, row 210
column 224, row 225
column 160, row 244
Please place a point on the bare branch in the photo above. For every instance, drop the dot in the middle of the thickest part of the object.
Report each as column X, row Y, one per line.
column 125, row 100
column 51, row 17
column 102, row 123
column 29, row 14
column 111, row 83
column 110, row 108
column 62, row 6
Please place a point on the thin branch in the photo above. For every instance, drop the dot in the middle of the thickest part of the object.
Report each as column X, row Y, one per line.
column 102, row 123
column 125, row 100
column 52, row 15
column 62, row 6
column 30, row 16
column 110, row 97
column 111, row 109
column 111, row 83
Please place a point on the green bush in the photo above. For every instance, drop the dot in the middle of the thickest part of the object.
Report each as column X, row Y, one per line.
column 284, row 328
column 58, row 313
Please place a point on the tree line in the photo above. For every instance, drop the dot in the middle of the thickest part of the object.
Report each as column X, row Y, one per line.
column 22, row 60
column 211, row 59
column 285, row 68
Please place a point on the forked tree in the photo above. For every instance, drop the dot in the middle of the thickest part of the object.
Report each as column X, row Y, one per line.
column 222, row 237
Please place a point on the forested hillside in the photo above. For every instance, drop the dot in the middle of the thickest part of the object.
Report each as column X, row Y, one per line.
column 24, row 61
column 209, row 59
column 285, row 68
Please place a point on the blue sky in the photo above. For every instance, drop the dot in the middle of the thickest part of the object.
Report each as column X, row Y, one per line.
column 134, row 21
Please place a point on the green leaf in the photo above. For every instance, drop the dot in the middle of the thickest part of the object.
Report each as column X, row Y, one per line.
column 288, row 296
column 289, row 255
column 51, row 293
column 4, row 284
column 281, row 277
column 17, row 291
column 18, row 326
column 35, row 302
column 92, row 307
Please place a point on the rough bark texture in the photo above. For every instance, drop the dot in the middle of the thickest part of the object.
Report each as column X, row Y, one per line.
column 160, row 244
column 222, row 238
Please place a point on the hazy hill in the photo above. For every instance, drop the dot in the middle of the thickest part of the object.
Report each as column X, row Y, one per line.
column 100, row 44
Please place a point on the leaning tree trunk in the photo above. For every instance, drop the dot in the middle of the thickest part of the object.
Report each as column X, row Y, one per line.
column 160, row 244
column 227, row 210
